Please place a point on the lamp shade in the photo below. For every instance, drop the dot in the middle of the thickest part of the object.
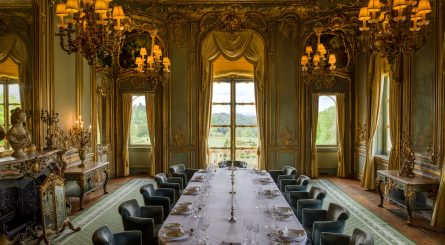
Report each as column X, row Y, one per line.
column 332, row 59
column 72, row 6
column 143, row 51
column 166, row 61
column 424, row 7
column 138, row 61
column 309, row 49
column 321, row 49
column 399, row 4
column 150, row 60
column 118, row 12
column 364, row 14
column 415, row 15
column 316, row 58
column 100, row 6
column 374, row 6
column 304, row 60
column 61, row 9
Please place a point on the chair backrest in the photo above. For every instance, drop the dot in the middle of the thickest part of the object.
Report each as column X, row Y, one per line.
column 361, row 237
column 227, row 163
column 317, row 193
column 130, row 208
column 103, row 236
column 178, row 168
column 288, row 170
column 160, row 178
column 303, row 180
column 147, row 190
column 337, row 213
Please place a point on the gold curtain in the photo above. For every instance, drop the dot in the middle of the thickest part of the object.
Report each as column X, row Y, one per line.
column 126, row 114
column 341, row 171
column 395, row 92
column 150, row 108
column 314, row 160
column 12, row 46
column 374, row 81
column 439, row 206
column 232, row 46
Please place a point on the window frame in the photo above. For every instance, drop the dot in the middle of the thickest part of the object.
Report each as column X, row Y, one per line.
column 233, row 80
column 336, row 121
column 130, row 145
column 5, row 81
column 383, row 135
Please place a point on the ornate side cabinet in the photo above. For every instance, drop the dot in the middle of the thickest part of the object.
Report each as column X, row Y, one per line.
column 410, row 188
column 81, row 181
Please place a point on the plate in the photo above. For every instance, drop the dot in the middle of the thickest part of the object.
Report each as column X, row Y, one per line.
column 181, row 210
column 173, row 226
column 202, row 171
column 271, row 193
column 185, row 204
column 191, row 191
column 284, row 210
column 293, row 235
column 175, row 235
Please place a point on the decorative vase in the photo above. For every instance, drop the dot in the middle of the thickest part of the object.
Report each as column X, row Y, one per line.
column 17, row 136
column 82, row 155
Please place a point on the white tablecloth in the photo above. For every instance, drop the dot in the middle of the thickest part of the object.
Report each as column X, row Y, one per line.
column 218, row 210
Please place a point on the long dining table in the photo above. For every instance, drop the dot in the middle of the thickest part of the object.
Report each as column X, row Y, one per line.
column 218, row 207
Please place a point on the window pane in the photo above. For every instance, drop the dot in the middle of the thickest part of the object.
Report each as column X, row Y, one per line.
column 218, row 155
column 2, row 99
column 139, row 127
column 245, row 115
column 327, row 121
column 14, row 94
column 247, row 137
column 2, row 122
column 219, row 137
column 220, row 115
column 221, row 92
column 245, row 93
column 247, row 155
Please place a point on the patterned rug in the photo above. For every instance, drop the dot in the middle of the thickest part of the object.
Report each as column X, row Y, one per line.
column 105, row 213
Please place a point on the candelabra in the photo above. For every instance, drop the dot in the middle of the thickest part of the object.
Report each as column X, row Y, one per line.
column 50, row 119
column 232, row 218
column 80, row 137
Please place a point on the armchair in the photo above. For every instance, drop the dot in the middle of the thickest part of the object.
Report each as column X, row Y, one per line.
column 147, row 219
column 287, row 171
column 175, row 183
column 316, row 221
column 299, row 184
column 103, row 236
column 359, row 237
column 228, row 163
column 298, row 200
column 164, row 197
column 179, row 170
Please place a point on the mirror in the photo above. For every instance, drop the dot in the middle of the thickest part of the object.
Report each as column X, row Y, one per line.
column 103, row 99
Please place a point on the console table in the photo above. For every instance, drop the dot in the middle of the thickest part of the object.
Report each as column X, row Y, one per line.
column 410, row 186
column 81, row 181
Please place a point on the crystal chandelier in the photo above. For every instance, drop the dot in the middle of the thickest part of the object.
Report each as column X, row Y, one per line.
column 395, row 26
column 320, row 67
column 155, row 62
column 91, row 27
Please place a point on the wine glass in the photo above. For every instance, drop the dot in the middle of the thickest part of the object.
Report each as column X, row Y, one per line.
column 256, row 230
column 204, row 223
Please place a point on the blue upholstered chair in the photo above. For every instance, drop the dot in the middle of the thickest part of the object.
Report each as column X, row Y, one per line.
column 179, row 170
column 103, row 236
column 164, row 197
column 298, row 184
column 228, row 163
column 298, row 200
column 359, row 237
column 175, row 183
column 287, row 172
column 147, row 219
column 316, row 221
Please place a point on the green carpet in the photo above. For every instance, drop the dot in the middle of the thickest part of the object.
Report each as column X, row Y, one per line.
column 360, row 217
column 105, row 213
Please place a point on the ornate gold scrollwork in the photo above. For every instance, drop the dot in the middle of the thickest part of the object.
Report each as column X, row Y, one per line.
column 389, row 185
column 406, row 156
column 287, row 137
column 362, row 132
column 409, row 192
column 97, row 176
column 179, row 137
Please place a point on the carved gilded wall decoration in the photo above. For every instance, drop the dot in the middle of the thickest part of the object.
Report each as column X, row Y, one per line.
column 362, row 132
column 177, row 26
column 406, row 156
column 287, row 136
column 178, row 137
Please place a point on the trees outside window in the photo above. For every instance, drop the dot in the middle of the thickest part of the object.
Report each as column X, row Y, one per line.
column 234, row 130
column 327, row 121
column 139, row 127
column 383, row 138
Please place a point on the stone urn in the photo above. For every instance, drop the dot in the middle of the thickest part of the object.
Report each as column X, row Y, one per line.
column 17, row 136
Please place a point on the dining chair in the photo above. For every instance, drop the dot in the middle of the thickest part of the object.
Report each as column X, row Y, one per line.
column 103, row 236
column 179, row 170
column 316, row 221
column 228, row 163
column 298, row 200
column 175, row 183
column 298, row 184
column 147, row 219
column 164, row 197
column 358, row 237
column 286, row 173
